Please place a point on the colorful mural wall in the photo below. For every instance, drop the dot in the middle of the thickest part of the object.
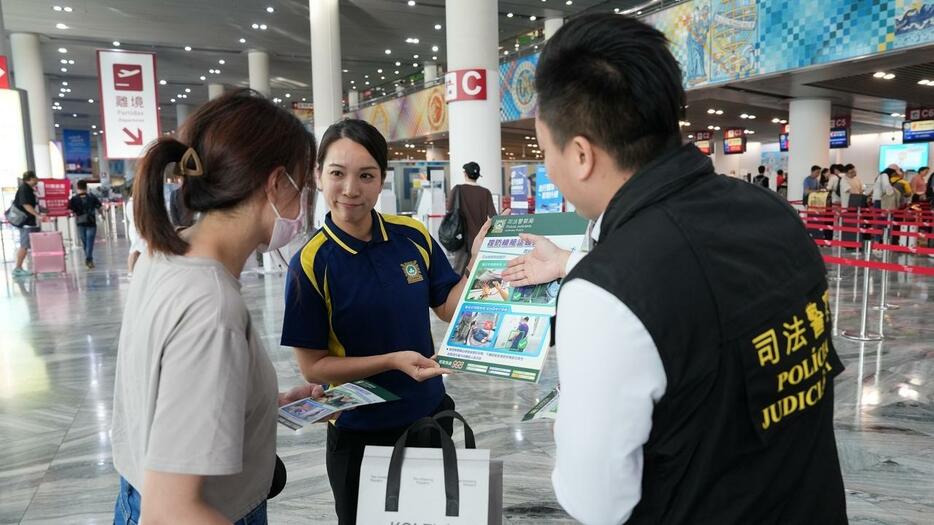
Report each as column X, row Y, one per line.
column 415, row 115
column 517, row 86
column 715, row 41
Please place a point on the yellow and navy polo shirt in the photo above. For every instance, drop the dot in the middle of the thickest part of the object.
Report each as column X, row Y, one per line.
column 357, row 298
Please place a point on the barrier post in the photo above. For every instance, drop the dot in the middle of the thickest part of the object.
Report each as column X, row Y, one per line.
column 838, row 251
column 863, row 335
column 883, row 306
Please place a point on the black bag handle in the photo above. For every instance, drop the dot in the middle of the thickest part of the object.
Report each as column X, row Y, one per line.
column 469, row 441
column 449, row 460
column 456, row 208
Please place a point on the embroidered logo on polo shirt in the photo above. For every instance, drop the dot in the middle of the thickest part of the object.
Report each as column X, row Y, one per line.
column 413, row 273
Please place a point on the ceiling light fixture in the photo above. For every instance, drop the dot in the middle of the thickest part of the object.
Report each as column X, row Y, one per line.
column 434, row 49
column 255, row 26
column 202, row 77
column 68, row 9
column 71, row 62
column 719, row 112
column 716, row 128
column 888, row 76
column 116, row 43
column 90, row 101
column 711, row 111
column 437, row 27
column 388, row 51
column 187, row 90
column 64, row 70
column 263, row 27
column 62, row 50
column 533, row 18
column 411, row 3
column 243, row 41
column 924, row 82
column 509, row 15
column 411, row 40
column 878, row 74
column 60, row 26
column 270, row 9
column 187, row 48
column 222, row 61
column 751, row 117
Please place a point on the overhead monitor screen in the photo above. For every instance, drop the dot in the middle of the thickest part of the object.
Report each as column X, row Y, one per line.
column 907, row 156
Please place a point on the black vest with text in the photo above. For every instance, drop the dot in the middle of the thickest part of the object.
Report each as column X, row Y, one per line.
column 734, row 294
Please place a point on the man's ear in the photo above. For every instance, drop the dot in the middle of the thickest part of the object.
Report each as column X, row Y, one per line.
column 582, row 157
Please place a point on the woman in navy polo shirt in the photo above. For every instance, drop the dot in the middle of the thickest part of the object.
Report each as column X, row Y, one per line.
column 357, row 301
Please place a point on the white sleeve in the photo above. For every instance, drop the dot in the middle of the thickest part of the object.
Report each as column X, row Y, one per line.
column 611, row 377
column 573, row 259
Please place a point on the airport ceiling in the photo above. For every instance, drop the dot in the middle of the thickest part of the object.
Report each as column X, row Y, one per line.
column 219, row 32
column 223, row 30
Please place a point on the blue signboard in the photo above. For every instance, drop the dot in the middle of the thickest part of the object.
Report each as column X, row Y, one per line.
column 783, row 142
column 519, row 190
column 548, row 198
column 839, row 138
column 77, row 150
column 917, row 131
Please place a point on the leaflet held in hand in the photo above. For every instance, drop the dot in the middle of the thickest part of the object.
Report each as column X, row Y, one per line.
column 498, row 329
column 349, row 395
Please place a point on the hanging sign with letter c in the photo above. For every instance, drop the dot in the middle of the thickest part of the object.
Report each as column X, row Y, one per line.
column 465, row 84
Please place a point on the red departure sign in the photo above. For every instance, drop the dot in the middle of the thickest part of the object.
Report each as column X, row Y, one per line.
column 4, row 73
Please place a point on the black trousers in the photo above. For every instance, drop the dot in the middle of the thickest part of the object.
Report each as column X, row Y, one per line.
column 345, row 454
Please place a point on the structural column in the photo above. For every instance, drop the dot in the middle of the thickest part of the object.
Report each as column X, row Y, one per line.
column 28, row 76
column 472, row 36
column 809, row 141
column 324, row 18
column 181, row 114
column 215, row 91
column 430, row 71
column 353, row 99
column 3, row 45
column 552, row 25
column 258, row 63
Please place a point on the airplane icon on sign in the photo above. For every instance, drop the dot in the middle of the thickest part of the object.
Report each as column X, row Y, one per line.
column 128, row 77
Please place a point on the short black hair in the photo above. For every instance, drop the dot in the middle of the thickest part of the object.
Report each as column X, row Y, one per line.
column 849, row 167
column 29, row 175
column 361, row 132
column 472, row 169
column 761, row 170
column 815, row 168
column 780, row 172
column 613, row 80
column 82, row 184
column 889, row 172
column 922, row 168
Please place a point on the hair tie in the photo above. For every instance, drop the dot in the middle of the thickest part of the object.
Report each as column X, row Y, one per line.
column 184, row 166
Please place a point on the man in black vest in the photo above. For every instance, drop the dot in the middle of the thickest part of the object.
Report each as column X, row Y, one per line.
column 694, row 352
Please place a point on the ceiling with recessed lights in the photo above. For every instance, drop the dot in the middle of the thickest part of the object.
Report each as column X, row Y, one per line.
column 203, row 41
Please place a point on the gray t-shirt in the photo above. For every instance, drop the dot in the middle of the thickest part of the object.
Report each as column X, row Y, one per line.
column 195, row 390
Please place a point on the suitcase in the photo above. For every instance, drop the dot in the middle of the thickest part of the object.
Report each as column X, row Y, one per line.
column 48, row 252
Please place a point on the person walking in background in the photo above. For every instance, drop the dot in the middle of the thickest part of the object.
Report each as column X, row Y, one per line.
column 26, row 202
column 919, row 185
column 476, row 204
column 882, row 186
column 811, row 183
column 85, row 207
column 762, row 179
column 781, row 183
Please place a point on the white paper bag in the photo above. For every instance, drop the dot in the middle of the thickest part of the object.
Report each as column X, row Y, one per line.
column 422, row 494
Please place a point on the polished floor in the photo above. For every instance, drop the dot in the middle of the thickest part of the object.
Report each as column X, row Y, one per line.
column 58, row 337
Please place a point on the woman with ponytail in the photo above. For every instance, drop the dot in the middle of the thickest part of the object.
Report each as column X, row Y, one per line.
column 196, row 396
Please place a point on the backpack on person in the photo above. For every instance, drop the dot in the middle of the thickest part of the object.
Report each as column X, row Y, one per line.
column 451, row 231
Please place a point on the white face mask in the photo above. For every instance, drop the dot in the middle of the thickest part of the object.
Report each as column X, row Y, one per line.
column 284, row 230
